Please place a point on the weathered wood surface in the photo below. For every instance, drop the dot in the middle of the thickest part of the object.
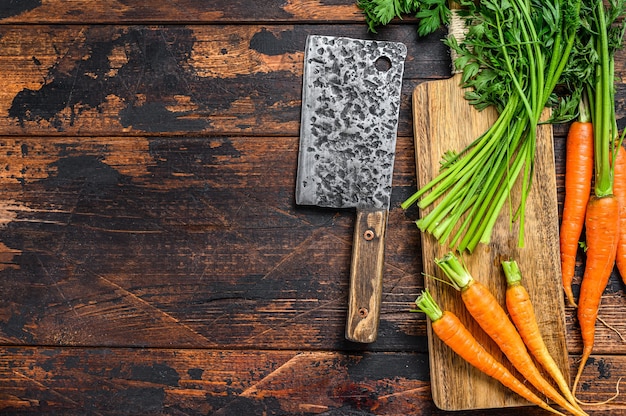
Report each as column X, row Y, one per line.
column 152, row 259
column 114, row 381
column 103, row 80
column 186, row 242
column 175, row 11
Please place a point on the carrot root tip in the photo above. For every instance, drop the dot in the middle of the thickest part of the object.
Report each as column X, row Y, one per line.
column 610, row 399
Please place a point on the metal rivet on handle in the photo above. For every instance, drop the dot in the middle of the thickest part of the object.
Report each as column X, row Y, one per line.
column 368, row 235
column 363, row 312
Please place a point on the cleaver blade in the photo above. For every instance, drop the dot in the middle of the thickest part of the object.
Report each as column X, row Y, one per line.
column 350, row 105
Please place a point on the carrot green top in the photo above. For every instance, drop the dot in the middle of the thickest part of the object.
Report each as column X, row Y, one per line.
column 455, row 271
column 428, row 305
column 512, row 272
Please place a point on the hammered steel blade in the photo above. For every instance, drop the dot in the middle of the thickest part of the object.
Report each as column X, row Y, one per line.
column 350, row 105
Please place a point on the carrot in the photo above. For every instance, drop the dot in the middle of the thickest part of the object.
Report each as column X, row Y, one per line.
column 602, row 231
column 578, row 176
column 447, row 326
column 492, row 318
column 602, row 218
column 619, row 190
column 522, row 314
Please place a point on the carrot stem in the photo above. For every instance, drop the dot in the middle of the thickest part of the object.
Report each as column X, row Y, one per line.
column 604, row 111
column 526, row 58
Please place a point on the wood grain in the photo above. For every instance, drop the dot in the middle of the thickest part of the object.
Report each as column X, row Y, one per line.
column 176, row 80
column 114, row 381
column 366, row 275
column 152, row 259
column 200, row 381
column 446, row 121
column 184, row 242
column 176, row 11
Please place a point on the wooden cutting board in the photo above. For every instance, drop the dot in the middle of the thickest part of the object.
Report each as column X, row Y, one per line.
column 443, row 120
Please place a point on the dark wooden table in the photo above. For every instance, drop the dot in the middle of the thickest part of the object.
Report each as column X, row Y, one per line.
column 152, row 258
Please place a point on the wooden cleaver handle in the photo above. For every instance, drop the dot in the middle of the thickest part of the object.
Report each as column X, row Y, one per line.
column 366, row 276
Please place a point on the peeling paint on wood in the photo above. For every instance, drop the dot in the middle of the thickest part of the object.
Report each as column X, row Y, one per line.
column 113, row 80
column 174, row 11
column 216, row 382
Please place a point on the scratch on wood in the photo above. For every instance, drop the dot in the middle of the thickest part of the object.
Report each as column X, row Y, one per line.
column 46, row 388
column 56, row 285
column 419, row 391
column 131, row 296
column 286, row 322
column 297, row 250
column 297, row 362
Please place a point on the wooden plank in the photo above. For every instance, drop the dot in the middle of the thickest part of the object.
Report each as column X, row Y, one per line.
column 120, row 381
column 154, row 80
column 446, row 121
column 174, row 11
column 167, row 218
column 188, row 242
column 146, row 382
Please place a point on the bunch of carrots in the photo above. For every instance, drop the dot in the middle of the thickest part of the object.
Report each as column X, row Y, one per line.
column 518, row 337
column 595, row 176
column 602, row 213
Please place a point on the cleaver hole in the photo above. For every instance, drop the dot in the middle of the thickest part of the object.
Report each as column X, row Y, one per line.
column 383, row 64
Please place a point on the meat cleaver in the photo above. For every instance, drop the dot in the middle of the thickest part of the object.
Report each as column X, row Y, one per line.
column 349, row 119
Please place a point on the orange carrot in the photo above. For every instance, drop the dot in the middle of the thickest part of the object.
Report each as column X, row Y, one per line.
column 522, row 314
column 447, row 326
column 602, row 231
column 492, row 318
column 578, row 176
column 602, row 217
column 619, row 190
